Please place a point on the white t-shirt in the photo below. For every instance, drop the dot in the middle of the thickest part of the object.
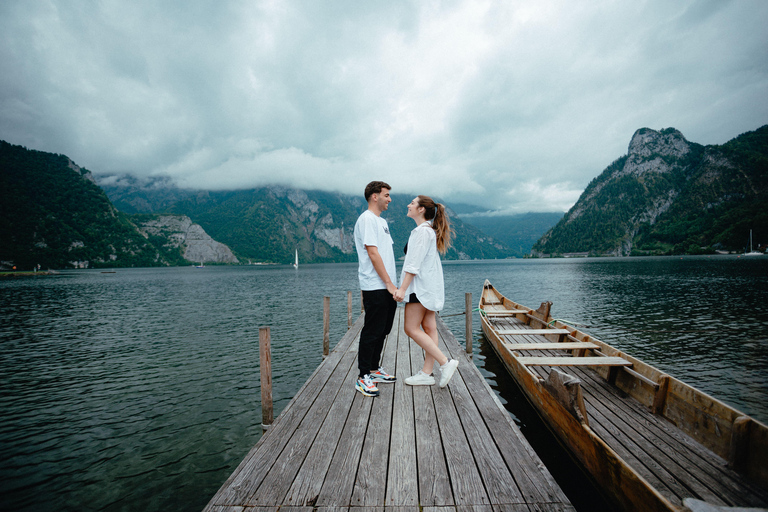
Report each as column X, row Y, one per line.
column 371, row 229
column 423, row 261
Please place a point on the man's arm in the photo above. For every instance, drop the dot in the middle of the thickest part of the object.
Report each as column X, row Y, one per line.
column 378, row 265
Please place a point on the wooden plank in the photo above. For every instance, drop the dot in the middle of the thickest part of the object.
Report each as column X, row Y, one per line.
column 466, row 481
column 692, row 458
column 656, row 449
column 278, row 482
column 402, row 488
column 306, row 485
column 254, row 467
column 529, row 332
column 410, row 449
column 608, row 435
column 340, row 479
column 371, row 485
column 498, row 481
column 566, row 345
column 573, row 361
column 434, row 481
column 530, row 476
column 627, row 445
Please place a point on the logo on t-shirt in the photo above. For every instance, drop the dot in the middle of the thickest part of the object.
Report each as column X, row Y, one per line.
column 386, row 229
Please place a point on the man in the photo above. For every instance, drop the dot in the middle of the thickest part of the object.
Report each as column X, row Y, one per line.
column 376, row 272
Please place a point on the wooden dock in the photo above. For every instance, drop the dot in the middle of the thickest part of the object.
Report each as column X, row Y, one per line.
column 409, row 449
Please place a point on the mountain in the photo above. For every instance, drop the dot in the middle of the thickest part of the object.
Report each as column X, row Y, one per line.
column 267, row 224
column 54, row 215
column 177, row 233
column 518, row 232
column 670, row 196
column 132, row 195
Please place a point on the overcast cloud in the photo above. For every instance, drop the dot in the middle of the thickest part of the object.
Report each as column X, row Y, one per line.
column 513, row 105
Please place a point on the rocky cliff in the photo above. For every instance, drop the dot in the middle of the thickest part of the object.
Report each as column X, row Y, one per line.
column 668, row 195
column 180, row 232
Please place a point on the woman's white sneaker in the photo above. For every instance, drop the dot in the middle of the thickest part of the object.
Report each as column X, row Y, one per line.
column 446, row 371
column 420, row 379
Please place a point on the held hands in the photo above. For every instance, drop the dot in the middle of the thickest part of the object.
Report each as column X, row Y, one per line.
column 399, row 295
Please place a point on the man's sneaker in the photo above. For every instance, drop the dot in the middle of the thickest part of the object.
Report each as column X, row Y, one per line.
column 366, row 386
column 381, row 376
column 446, row 372
column 420, row 379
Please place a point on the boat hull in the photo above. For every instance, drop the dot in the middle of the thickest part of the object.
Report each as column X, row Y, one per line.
column 562, row 409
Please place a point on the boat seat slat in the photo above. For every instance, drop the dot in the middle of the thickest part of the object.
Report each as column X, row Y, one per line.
column 524, row 332
column 505, row 312
column 567, row 345
column 573, row 361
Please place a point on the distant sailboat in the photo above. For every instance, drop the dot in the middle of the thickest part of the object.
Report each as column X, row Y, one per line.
column 200, row 265
column 296, row 263
column 751, row 252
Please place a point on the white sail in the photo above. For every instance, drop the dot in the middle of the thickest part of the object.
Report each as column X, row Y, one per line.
column 751, row 251
column 296, row 263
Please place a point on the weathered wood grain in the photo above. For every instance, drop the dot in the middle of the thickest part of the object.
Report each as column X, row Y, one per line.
column 371, row 485
column 402, row 489
column 573, row 361
column 434, row 481
column 410, row 449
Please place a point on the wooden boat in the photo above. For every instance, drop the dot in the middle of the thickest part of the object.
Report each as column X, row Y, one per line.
column 650, row 441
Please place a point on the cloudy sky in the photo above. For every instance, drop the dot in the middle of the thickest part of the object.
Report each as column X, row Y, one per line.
column 512, row 105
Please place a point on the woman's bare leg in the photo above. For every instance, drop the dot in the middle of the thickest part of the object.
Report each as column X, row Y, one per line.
column 416, row 317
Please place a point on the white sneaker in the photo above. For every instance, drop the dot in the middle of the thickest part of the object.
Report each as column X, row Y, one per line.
column 446, row 371
column 420, row 379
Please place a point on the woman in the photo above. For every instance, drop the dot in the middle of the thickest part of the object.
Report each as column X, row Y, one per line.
column 421, row 285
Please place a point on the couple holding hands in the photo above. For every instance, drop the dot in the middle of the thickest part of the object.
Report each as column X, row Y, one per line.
column 421, row 287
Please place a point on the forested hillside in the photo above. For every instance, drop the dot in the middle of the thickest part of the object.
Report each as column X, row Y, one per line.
column 670, row 196
column 518, row 232
column 269, row 223
column 54, row 215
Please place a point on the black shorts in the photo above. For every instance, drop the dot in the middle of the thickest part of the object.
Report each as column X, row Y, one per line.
column 413, row 298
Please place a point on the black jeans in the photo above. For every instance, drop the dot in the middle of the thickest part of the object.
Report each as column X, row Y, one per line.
column 380, row 310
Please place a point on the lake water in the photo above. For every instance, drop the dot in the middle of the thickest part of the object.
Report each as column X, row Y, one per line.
column 139, row 390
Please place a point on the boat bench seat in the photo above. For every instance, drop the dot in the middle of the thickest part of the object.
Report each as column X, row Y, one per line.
column 524, row 332
column 506, row 312
column 561, row 333
column 573, row 361
column 567, row 345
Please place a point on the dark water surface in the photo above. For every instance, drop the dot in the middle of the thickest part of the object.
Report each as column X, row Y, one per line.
column 139, row 390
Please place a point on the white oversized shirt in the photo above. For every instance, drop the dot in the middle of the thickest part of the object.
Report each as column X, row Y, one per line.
column 372, row 230
column 423, row 261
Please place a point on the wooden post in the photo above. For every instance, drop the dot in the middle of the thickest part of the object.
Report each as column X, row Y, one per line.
column 468, row 322
column 349, row 309
column 265, row 365
column 661, row 395
column 739, row 452
column 326, row 326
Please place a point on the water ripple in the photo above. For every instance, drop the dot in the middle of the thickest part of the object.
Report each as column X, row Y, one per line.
column 140, row 390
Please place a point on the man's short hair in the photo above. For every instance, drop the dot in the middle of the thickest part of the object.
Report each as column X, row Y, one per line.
column 375, row 187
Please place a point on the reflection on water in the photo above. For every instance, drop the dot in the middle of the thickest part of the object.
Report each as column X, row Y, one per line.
column 139, row 390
